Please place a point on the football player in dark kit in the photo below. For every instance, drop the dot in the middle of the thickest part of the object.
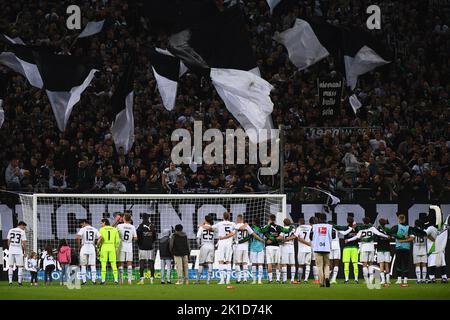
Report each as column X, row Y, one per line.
column 146, row 235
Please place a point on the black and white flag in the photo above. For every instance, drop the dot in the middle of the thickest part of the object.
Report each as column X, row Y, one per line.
column 122, row 128
column 167, row 70
column 94, row 27
column 309, row 41
column 20, row 59
column 247, row 97
column 272, row 4
column 219, row 46
column 361, row 54
column 65, row 78
column 354, row 103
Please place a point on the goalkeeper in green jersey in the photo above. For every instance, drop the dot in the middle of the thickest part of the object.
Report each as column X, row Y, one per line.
column 108, row 244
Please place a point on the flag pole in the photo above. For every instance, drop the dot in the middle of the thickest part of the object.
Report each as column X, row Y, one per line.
column 281, row 128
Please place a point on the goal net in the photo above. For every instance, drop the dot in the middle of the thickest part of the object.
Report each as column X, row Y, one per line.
column 53, row 217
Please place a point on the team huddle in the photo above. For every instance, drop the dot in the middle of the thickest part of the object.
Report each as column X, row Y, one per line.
column 244, row 245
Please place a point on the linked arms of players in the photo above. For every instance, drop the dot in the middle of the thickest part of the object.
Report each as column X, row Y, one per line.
column 361, row 232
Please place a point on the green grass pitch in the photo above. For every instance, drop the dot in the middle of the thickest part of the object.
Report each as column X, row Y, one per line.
column 219, row 292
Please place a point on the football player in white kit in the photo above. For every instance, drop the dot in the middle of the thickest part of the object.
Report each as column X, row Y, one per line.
column 287, row 251
column 367, row 247
column 335, row 254
column 205, row 239
column 436, row 243
column 241, row 255
column 127, row 234
column 17, row 241
column 420, row 257
column 304, row 250
column 271, row 233
column 225, row 232
column 86, row 238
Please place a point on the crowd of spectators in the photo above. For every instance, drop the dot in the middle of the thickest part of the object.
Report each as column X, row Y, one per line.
column 402, row 155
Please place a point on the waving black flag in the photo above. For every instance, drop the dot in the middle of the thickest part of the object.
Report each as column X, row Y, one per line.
column 122, row 128
column 64, row 78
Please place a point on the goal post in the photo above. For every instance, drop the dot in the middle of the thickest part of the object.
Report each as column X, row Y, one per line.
column 53, row 217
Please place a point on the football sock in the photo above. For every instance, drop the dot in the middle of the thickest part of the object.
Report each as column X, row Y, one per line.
column 19, row 274
column 93, row 273
column 10, row 274
column 103, row 271
column 238, row 272
column 366, row 273
column 115, row 272
column 270, row 275
column 121, row 273
column 222, row 272
column 382, row 276
column 424, row 273
column 405, row 280
column 245, row 272
column 277, row 272
column 210, row 270
column 199, row 272
column 335, row 273
column 355, row 270
column 130, row 273
column 83, row 273
column 300, row 273
column 307, row 272
column 284, row 273
column 443, row 273
column 163, row 270
column 371, row 274
column 346, row 270
column 228, row 272
column 388, row 276
column 315, row 273
column 292, row 273
column 418, row 273
column 260, row 272
column 254, row 272
column 152, row 268
column 141, row 269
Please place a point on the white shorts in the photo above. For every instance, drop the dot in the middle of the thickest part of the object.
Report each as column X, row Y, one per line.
column 125, row 256
column 145, row 254
column 436, row 260
column 87, row 259
column 224, row 253
column 304, row 258
column 257, row 257
column 241, row 256
column 287, row 256
column 367, row 256
column 273, row 254
column 383, row 257
column 420, row 258
column 15, row 259
column 335, row 254
column 206, row 254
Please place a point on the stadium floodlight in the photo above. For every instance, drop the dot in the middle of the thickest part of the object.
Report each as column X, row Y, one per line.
column 52, row 217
